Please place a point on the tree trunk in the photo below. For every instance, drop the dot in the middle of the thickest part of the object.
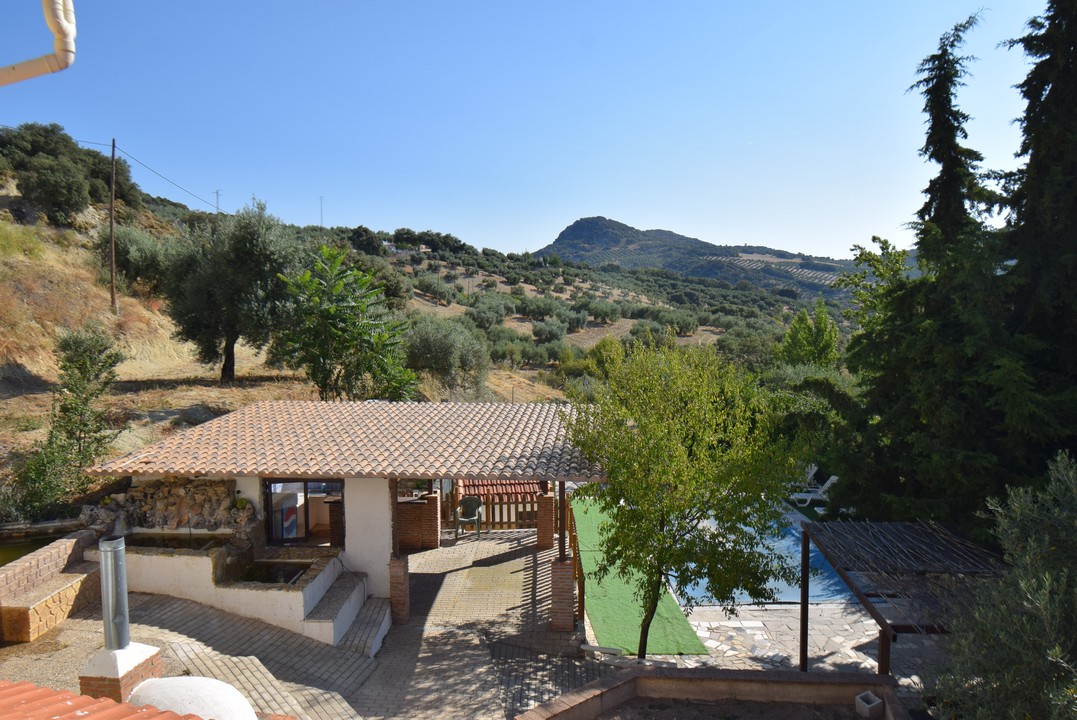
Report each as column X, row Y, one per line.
column 650, row 606
column 228, row 368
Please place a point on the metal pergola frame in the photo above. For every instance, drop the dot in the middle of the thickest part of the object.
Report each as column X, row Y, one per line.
column 918, row 568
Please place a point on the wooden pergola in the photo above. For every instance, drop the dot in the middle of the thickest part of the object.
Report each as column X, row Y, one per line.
column 918, row 569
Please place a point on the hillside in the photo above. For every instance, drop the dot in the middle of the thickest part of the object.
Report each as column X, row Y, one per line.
column 600, row 241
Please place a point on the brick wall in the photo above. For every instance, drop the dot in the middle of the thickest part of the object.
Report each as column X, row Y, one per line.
column 44, row 563
column 547, row 520
column 562, row 596
column 32, row 619
column 419, row 523
column 119, row 689
column 399, row 589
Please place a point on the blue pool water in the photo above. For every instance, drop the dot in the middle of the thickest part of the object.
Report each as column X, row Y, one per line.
column 823, row 586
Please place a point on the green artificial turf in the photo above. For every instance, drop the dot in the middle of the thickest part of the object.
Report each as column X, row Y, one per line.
column 614, row 612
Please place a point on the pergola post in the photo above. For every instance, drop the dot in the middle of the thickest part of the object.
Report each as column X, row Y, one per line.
column 885, row 639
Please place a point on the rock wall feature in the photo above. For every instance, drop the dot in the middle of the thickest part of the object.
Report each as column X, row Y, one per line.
column 176, row 504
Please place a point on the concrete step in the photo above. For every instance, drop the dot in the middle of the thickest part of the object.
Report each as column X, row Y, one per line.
column 247, row 674
column 333, row 615
column 370, row 628
column 33, row 611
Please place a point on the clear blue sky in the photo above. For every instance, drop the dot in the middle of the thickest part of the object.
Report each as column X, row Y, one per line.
column 774, row 123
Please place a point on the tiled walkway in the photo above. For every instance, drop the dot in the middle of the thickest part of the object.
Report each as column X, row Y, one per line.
column 477, row 644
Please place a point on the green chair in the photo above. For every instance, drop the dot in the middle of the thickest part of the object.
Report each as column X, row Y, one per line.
column 469, row 512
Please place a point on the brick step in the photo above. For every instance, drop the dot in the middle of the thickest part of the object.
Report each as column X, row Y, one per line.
column 245, row 673
column 31, row 612
column 369, row 629
column 335, row 612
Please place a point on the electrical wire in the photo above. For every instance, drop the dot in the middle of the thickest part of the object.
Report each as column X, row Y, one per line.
column 207, row 203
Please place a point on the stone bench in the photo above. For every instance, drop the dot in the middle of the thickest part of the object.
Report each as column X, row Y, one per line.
column 33, row 610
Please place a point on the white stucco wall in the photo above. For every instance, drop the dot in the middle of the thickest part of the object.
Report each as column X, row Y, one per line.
column 251, row 489
column 190, row 576
column 368, row 528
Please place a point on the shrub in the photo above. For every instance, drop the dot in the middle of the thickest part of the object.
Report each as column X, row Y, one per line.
column 79, row 432
column 141, row 259
column 55, row 185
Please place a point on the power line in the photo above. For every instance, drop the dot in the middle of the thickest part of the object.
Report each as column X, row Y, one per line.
column 207, row 203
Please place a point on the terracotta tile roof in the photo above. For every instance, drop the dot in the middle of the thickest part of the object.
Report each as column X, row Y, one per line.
column 493, row 441
column 26, row 701
column 503, row 489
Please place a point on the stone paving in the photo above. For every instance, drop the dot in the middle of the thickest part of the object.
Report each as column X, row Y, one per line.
column 842, row 637
column 477, row 644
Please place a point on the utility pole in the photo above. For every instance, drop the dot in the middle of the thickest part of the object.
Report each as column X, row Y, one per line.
column 321, row 211
column 112, row 233
column 217, row 193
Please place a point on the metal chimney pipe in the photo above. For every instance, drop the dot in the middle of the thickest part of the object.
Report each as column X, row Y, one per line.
column 114, row 592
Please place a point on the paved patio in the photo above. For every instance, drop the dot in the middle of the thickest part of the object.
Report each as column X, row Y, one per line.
column 477, row 644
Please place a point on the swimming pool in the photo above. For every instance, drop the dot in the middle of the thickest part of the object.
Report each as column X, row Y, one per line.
column 823, row 586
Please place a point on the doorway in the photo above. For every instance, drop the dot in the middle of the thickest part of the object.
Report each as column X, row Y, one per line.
column 302, row 512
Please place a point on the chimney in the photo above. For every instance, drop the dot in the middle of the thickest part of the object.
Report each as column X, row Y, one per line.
column 115, row 671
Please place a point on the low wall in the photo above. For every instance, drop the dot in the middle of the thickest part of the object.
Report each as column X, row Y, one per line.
column 44, row 563
column 199, row 576
column 419, row 522
column 709, row 684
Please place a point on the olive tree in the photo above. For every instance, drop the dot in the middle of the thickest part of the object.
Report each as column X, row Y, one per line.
column 227, row 285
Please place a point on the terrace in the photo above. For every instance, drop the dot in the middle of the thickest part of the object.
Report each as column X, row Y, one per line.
column 477, row 644
column 475, row 634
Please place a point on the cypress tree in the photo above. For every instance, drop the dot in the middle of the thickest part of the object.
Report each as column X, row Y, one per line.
column 1042, row 244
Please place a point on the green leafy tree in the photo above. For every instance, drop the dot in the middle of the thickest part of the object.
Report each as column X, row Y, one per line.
column 226, row 285
column 79, row 430
column 811, row 339
column 448, row 351
column 1012, row 646
column 696, row 475
column 341, row 334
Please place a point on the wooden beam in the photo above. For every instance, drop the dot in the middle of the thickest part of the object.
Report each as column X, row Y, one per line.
column 882, row 622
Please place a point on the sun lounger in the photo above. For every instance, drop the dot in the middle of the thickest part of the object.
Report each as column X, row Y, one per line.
column 804, row 499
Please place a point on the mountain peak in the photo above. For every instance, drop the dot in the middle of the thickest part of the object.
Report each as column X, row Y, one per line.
column 600, row 241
